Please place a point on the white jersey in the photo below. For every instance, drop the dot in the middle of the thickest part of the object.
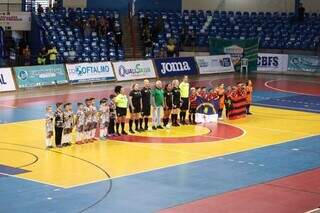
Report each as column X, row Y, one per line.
column 94, row 114
column 49, row 122
column 80, row 118
column 88, row 115
column 68, row 119
column 104, row 114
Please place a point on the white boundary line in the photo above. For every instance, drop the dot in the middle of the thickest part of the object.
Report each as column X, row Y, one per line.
column 266, row 84
column 306, row 110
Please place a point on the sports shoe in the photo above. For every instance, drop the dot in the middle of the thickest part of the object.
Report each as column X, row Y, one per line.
column 159, row 127
column 124, row 133
column 154, row 128
column 131, row 131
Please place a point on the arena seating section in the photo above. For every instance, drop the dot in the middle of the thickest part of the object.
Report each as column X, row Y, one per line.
column 56, row 29
column 275, row 30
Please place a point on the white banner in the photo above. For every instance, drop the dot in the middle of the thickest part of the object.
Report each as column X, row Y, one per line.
column 272, row 62
column 214, row 64
column 20, row 21
column 6, row 80
column 131, row 70
column 90, row 72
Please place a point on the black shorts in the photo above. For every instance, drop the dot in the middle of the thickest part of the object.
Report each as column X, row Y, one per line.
column 146, row 110
column 192, row 110
column 176, row 105
column 137, row 109
column 185, row 104
column 121, row 111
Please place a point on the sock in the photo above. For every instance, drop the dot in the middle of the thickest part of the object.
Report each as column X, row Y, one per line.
column 47, row 142
column 117, row 127
column 102, row 133
column 130, row 124
column 122, row 126
column 190, row 118
column 136, row 122
column 181, row 116
column 164, row 121
column 141, row 121
column 174, row 118
column 193, row 117
column 146, row 120
column 184, row 116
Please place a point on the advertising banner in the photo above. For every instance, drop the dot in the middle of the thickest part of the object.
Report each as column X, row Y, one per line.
column 175, row 66
column 238, row 49
column 272, row 62
column 132, row 70
column 304, row 63
column 20, row 21
column 6, row 80
column 214, row 64
column 90, row 72
column 44, row 75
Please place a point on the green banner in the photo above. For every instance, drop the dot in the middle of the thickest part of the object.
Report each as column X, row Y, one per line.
column 238, row 49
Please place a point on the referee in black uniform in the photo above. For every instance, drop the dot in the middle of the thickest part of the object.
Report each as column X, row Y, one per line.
column 146, row 104
column 135, row 103
column 58, row 124
column 176, row 102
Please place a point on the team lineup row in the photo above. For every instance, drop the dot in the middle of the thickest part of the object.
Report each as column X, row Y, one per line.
column 170, row 100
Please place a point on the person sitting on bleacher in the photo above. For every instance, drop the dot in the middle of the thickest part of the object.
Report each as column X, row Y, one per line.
column 41, row 59
column 52, row 54
column 171, row 48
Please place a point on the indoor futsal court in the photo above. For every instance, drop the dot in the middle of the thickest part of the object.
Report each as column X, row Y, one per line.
column 266, row 162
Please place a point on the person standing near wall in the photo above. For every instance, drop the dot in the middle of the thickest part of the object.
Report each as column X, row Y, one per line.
column 249, row 90
column 184, row 90
column 146, row 105
column 121, row 102
column 52, row 54
column 58, row 124
column 157, row 104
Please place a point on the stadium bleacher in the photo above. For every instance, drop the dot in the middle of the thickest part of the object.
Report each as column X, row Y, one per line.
column 274, row 30
column 71, row 43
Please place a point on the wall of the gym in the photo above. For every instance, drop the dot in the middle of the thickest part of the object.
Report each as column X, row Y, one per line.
column 11, row 5
column 249, row 5
column 75, row 3
column 122, row 5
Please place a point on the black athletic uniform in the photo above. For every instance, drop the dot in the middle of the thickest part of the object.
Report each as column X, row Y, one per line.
column 145, row 95
column 176, row 98
column 136, row 101
column 168, row 99
column 58, row 126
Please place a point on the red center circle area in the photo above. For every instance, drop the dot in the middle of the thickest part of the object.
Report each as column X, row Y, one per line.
column 218, row 132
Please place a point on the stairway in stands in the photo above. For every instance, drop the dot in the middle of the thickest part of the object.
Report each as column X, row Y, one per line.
column 127, row 38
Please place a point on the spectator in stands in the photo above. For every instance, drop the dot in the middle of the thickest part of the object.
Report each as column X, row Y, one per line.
column 171, row 48
column 93, row 23
column 40, row 9
column 26, row 55
column 41, row 59
column 145, row 21
column 148, row 46
column 301, row 11
column 102, row 27
column 76, row 23
column 52, row 54
column 118, row 36
column 158, row 28
column 87, row 30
